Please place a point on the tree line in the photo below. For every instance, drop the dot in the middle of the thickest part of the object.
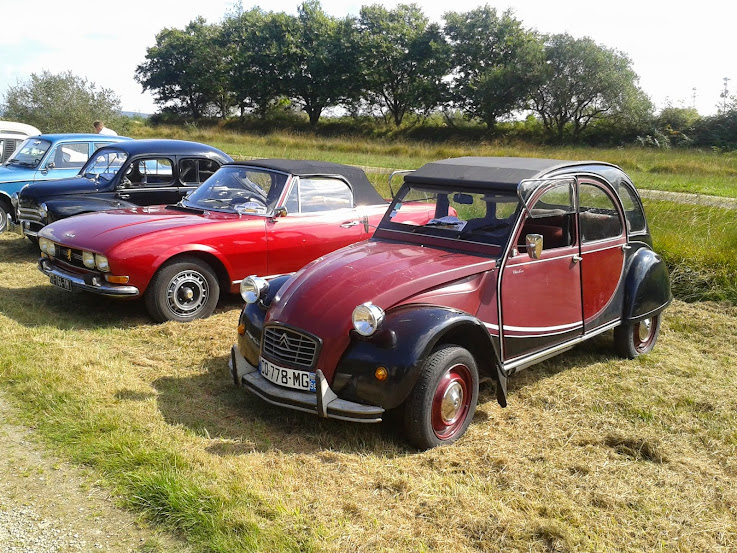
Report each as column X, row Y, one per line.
column 393, row 63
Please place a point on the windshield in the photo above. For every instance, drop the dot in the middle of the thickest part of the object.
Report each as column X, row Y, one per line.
column 30, row 153
column 104, row 164
column 470, row 215
column 239, row 190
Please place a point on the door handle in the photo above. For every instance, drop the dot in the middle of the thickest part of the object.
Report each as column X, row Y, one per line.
column 124, row 196
column 349, row 224
column 577, row 258
column 626, row 247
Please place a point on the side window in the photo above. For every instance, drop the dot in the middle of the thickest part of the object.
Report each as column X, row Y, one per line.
column 150, row 172
column 598, row 215
column 70, row 155
column 97, row 145
column 552, row 218
column 196, row 171
column 632, row 210
column 322, row 194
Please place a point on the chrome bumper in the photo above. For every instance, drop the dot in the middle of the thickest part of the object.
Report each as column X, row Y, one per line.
column 324, row 403
column 98, row 286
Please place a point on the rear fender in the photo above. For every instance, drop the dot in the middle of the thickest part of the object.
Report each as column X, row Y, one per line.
column 407, row 337
column 647, row 286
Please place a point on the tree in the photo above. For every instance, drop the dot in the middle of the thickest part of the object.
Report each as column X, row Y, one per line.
column 186, row 68
column 583, row 82
column 62, row 103
column 496, row 62
column 256, row 53
column 324, row 60
column 404, row 59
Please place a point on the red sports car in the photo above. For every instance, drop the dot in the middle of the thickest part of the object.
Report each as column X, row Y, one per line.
column 266, row 217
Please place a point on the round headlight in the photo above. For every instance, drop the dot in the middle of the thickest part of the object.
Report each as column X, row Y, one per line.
column 43, row 244
column 253, row 288
column 367, row 318
column 88, row 258
column 43, row 210
column 51, row 248
column 101, row 263
column 14, row 199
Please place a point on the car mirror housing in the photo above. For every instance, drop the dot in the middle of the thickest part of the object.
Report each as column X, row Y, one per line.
column 280, row 211
column 534, row 244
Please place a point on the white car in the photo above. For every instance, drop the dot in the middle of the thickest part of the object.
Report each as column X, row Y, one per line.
column 11, row 135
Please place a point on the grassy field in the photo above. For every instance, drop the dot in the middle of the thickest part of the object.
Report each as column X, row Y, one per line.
column 593, row 454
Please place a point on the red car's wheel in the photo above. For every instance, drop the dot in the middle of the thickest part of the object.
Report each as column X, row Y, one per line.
column 184, row 290
column 638, row 338
column 443, row 401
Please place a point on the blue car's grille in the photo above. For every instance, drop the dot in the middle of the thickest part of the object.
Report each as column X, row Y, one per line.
column 290, row 346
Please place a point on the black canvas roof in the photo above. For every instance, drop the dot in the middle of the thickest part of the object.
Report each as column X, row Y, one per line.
column 364, row 192
column 497, row 172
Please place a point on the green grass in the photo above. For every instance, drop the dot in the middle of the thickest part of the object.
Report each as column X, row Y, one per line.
column 593, row 453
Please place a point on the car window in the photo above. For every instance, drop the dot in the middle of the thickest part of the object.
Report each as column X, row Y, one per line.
column 196, row 171
column 312, row 195
column 632, row 209
column 30, row 153
column 552, row 217
column 598, row 215
column 104, row 164
column 70, row 155
column 149, row 172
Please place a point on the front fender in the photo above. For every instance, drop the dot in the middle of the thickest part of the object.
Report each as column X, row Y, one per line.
column 407, row 337
column 647, row 286
column 67, row 207
column 251, row 322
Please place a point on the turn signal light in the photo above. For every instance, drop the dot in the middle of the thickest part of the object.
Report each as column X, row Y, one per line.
column 117, row 279
column 381, row 374
column 242, row 329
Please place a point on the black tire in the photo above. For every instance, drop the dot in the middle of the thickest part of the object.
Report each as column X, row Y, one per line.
column 182, row 290
column 5, row 211
column 638, row 338
column 443, row 401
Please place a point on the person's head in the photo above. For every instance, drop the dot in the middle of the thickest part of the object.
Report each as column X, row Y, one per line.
column 98, row 126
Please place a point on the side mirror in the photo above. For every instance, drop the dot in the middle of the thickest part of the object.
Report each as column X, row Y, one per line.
column 534, row 244
column 280, row 211
column 51, row 165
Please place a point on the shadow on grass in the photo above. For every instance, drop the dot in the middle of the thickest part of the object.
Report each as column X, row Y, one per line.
column 239, row 423
column 48, row 305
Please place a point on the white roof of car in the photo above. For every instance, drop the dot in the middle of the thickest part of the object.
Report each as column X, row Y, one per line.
column 11, row 128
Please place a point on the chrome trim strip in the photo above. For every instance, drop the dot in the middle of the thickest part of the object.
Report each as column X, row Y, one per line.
column 104, row 289
column 525, row 362
column 269, row 277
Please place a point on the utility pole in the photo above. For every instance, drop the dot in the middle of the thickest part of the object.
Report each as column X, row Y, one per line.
column 693, row 98
column 725, row 94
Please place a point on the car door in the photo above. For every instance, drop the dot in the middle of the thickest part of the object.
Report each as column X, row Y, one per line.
column 541, row 304
column 321, row 218
column 603, row 240
column 64, row 160
column 148, row 180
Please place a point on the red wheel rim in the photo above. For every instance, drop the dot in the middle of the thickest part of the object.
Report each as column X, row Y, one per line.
column 644, row 334
column 451, row 402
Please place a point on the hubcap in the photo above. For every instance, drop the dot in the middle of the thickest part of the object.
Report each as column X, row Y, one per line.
column 645, row 329
column 451, row 402
column 187, row 293
column 3, row 219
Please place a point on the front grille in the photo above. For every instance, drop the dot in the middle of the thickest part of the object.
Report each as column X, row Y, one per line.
column 69, row 256
column 290, row 346
column 29, row 215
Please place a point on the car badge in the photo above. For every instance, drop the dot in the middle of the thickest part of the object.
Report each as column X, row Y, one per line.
column 69, row 254
column 69, row 235
column 283, row 341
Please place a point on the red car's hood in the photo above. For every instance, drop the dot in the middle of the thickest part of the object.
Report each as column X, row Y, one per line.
column 321, row 298
column 99, row 231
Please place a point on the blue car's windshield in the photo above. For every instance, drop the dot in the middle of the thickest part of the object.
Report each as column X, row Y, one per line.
column 239, row 189
column 30, row 153
column 104, row 164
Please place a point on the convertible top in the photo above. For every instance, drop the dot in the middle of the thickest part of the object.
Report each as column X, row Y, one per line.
column 497, row 172
column 364, row 192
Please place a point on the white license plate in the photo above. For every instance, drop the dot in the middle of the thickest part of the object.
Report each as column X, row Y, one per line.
column 61, row 282
column 300, row 380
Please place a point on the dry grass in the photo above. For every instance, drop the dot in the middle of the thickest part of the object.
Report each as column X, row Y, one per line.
column 593, row 453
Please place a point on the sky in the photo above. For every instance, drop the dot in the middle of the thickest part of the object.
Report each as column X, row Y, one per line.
column 682, row 52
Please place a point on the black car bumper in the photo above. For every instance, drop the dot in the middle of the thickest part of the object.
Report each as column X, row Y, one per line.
column 323, row 403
